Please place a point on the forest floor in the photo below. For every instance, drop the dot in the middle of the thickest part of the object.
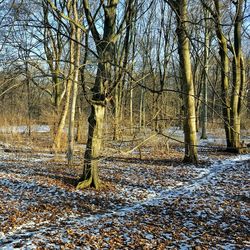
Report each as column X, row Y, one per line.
column 149, row 202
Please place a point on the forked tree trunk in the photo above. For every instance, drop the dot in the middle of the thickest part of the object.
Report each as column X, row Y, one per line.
column 105, row 48
column 224, row 72
column 57, row 143
column 59, row 133
column 224, row 69
column 231, row 110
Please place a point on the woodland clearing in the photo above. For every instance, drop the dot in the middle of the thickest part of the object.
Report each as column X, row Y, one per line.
column 149, row 202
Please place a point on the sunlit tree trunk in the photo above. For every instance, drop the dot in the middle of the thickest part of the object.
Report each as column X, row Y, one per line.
column 53, row 48
column 105, row 49
column 75, row 61
column 238, row 79
column 224, row 68
column 231, row 109
column 57, row 144
column 70, row 92
column 190, row 137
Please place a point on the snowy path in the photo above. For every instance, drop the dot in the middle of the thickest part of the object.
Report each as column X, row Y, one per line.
column 174, row 216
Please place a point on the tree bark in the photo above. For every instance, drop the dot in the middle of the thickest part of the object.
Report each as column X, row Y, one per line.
column 75, row 62
column 190, row 137
column 90, row 176
column 53, row 48
column 238, row 79
column 205, row 79
column 105, row 48
column 58, row 136
column 224, row 69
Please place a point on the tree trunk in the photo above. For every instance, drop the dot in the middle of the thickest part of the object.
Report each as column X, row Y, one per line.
column 105, row 48
column 57, row 143
column 28, row 95
column 71, row 132
column 141, row 109
column 190, row 137
column 205, row 80
column 223, row 51
column 53, row 49
column 131, row 117
column 238, row 79
column 90, row 175
column 117, row 110
column 74, row 61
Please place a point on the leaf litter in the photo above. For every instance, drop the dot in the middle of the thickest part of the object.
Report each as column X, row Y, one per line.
column 143, row 205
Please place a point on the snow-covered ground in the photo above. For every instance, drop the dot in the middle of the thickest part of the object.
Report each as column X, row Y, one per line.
column 214, row 136
column 145, row 204
column 24, row 129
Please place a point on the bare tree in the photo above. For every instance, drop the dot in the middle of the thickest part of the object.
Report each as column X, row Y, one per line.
column 190, row 137
column 231, row 106
column 239, row 79
column 205, row 75
column 75, row 54
column 54, row 44
column 105, row 47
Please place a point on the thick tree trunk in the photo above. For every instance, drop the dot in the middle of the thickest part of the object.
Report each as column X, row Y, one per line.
column 105, row 48
column 90, row 175
column 190, row 137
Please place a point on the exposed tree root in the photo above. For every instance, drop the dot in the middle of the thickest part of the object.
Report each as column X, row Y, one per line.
column 84, row 184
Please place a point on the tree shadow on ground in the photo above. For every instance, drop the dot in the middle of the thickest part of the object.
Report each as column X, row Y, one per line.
column 146, row 161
